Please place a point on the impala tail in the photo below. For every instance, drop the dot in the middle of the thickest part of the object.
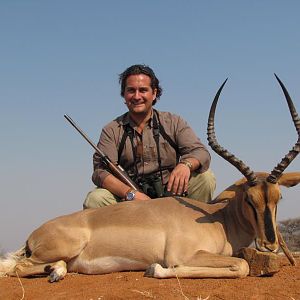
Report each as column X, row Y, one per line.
column 10, row 260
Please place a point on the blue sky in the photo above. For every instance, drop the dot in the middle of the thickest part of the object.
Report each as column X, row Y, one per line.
column 64, row 57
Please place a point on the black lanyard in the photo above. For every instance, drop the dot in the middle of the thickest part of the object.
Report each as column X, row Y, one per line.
column 157, row 130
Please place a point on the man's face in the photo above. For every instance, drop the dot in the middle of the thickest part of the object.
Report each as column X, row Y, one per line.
column 138, row 94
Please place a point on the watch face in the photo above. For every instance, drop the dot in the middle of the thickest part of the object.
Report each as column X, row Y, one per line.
column 130, row 196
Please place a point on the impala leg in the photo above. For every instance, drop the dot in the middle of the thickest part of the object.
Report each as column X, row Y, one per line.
column 203, row 265
column 56, row 270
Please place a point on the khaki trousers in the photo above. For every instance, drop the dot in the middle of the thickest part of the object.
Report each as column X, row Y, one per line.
column 201, row 187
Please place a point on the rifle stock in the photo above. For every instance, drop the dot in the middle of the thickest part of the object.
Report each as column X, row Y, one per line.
column 116, row 170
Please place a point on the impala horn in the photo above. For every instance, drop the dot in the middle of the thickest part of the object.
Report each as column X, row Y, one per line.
column 212, row 141
column 278, row 170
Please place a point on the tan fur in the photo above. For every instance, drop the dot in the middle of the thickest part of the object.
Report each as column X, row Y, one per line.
column 169, row 237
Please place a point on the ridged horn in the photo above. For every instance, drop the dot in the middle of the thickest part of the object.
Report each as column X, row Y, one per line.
column 278, row 170
column 212, row 141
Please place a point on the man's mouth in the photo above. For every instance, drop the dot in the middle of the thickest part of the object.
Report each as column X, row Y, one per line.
column 136, row 103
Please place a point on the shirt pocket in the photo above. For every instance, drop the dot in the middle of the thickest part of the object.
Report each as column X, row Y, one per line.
column 168, row 154
column 150, row 153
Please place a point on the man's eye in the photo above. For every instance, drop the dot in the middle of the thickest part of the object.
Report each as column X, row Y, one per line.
column 143, row 90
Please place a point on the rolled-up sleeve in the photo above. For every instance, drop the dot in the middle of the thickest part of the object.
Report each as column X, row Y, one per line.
column 107, row 144
column 190, row 146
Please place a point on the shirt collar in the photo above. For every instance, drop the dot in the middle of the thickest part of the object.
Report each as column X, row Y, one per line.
column 125, row 120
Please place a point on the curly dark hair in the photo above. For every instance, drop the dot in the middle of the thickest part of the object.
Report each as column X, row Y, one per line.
column 141, row 69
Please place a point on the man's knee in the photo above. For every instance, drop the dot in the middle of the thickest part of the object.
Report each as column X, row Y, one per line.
column 209, row 184
column 99, row 198
column 202, row 186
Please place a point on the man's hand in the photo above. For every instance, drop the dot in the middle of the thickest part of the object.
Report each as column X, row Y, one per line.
column 179, row 179
column 117, row 187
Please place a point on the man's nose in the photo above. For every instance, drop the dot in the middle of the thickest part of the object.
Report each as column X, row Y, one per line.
column 137, row 94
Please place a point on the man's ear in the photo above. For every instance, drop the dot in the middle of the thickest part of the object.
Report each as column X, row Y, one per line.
column 289, row 179
column 154, row 93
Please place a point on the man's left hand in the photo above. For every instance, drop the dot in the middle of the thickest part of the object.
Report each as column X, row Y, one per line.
column 179, row 179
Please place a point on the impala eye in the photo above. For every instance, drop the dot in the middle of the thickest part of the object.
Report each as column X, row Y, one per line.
column 249, row 201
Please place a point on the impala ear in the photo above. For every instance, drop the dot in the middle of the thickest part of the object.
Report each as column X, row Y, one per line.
column 229, row 194
column 289, row 179
column 224, row 196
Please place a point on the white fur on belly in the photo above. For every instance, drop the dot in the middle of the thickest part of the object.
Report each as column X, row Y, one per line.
column 104, row 265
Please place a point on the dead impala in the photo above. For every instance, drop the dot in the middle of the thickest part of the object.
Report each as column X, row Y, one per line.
column 167, row 237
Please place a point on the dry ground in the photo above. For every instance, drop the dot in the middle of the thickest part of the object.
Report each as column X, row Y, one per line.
column 284, row 285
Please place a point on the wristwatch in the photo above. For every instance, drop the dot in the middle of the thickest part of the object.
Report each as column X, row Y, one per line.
column 130, row 195
column 187, row 163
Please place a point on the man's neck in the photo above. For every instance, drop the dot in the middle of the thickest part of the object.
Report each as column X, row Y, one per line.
column 140, row 119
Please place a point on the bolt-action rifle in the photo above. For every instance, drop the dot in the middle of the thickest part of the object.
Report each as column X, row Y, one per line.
column 116, row 170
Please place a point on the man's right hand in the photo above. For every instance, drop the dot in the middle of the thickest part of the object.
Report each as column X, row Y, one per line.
column 117, row 187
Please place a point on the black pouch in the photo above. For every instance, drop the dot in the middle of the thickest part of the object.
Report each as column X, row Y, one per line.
column 152, row 186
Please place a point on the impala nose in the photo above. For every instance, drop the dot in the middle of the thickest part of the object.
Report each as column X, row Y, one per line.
column 272, row 247
column 264, row 246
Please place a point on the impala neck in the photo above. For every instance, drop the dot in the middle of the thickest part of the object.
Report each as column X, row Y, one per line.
column 239, row 230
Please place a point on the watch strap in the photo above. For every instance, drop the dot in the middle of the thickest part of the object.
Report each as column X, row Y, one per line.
column 187, row 163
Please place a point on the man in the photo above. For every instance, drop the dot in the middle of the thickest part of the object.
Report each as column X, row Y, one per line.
column 157, row 149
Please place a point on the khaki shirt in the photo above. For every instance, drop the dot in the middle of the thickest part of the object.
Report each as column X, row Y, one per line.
column 180, row 132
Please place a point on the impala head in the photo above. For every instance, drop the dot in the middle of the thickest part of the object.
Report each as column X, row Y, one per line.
column 260, row 191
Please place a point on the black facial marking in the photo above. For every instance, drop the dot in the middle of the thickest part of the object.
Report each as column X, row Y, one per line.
column 269, row 229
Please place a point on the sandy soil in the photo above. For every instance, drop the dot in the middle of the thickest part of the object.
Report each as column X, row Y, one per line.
column 132, row 285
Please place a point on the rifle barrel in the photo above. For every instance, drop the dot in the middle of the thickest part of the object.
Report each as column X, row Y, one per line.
column 84, row 135
column 116, row 170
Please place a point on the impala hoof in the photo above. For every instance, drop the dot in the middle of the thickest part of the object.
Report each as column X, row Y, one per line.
column 57, row 273
column 54, row 277
column 150, row 271
column 155, row 270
